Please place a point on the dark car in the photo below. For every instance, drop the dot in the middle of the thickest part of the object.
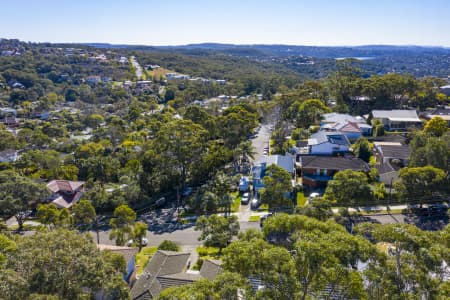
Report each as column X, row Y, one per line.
column 437, row 208
column 160, row 202
column 186, row 191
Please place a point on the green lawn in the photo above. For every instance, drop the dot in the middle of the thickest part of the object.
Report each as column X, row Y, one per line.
column 236, row 201
column 301, row 199
column 263, row 208
column 143, row 257
column 254, row 218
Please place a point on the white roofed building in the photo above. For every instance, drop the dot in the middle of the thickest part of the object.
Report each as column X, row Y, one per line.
column 397, row 119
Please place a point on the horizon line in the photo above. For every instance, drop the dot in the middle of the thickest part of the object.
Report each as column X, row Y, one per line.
column 232, row 44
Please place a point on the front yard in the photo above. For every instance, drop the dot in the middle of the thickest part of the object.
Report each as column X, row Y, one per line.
column 301, row 199
column 143, row 257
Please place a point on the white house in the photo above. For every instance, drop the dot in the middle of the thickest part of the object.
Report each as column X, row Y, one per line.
column 352, row 127
column 328, row 143
column 397, row 119
column 8, row 156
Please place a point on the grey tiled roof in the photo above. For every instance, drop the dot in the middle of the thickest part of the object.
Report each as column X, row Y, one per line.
column 162, row 263
column 384, row 168
column 394, row 151
column 211, row 268
column 333, row 163
column 178, row 279
column 127, row 252
column 284, row 161
column 166, row 269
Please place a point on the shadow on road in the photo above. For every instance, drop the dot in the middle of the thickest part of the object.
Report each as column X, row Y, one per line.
column 428, row 222
column 164, row 221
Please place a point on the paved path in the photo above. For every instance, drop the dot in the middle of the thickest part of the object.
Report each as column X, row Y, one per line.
column 380, row 208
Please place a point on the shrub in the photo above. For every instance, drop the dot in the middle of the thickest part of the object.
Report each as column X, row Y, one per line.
column 169, row 246
column 378, row 130
column 207, row 251
column 198, row 264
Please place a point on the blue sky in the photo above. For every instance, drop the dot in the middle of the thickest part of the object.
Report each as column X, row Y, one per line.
column 174, row 22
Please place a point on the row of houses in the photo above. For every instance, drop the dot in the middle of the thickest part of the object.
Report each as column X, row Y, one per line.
column 328, row 151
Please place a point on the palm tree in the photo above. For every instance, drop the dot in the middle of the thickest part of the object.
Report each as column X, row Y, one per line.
column 246, row 152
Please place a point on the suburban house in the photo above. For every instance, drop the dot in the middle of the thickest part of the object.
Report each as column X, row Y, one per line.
column 392, row 152
column 332, row 118
column 259, row 169
column 8, row 156
column 44, row 115
column 167, row 269
column 10, row 121
column 387, row 174
column 93, row 79
column 328, row 143
column 129, row 253
column 397, row 119
column 445, row 89
column 65, row 193
column 316, row 171
column 442, row 112
column 7, row 111
column 244, row 184
column 351, row 130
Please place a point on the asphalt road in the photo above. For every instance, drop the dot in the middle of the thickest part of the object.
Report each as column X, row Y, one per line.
column 261, row 140
column 185, row 236
column 137, row 66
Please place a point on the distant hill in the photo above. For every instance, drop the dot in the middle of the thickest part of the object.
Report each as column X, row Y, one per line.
column 289, row 50
column 318, row 51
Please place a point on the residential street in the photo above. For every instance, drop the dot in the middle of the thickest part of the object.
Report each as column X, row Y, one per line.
column 185, row 236
column 261, row 140
column 137, row 66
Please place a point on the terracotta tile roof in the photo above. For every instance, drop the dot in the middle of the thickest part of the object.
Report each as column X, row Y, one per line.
column 66, row 201
column 64, row 185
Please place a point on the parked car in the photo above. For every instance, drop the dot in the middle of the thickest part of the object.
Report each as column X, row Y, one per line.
column 254, row 204
column 244, row 184
column 160, row 202
column 186, row 191
column 313, row 195
column 131, row 242
column 245, row 198
column 437, row 208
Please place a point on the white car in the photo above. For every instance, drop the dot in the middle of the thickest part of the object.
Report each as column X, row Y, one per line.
column 313, row 195
column 254, row 204
column 245, row 198
column 131, row 242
